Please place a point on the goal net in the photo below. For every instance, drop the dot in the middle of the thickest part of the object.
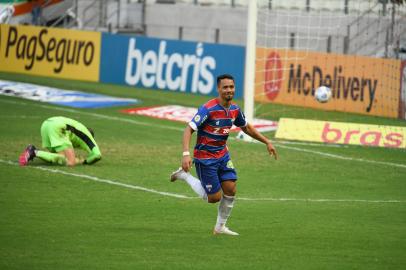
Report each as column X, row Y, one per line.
column 357, row 48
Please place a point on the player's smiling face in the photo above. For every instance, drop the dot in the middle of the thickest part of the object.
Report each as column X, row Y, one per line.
column 226, row 90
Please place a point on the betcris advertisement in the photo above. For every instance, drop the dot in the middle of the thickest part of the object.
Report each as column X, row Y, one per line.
column 180, row 66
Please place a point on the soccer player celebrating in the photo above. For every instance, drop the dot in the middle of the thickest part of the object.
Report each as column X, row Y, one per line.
column 212, row 160
column 60, row 135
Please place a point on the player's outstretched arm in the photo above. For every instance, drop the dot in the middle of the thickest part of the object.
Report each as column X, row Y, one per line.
column 254, row 133
column 186, row 157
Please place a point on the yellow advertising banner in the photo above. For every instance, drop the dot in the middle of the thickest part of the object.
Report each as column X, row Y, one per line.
column 359, row 84
column 51, row 52
column 341, row 133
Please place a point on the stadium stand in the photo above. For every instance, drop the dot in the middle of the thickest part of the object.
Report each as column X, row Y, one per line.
column 372, row 27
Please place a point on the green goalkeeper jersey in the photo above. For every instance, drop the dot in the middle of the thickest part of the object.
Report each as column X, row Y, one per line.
column 59, row 133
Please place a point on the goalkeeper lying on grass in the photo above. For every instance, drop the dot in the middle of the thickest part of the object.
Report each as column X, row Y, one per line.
column 61, row 135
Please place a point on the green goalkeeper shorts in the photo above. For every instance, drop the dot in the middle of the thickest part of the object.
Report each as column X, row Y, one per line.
column 54, row 136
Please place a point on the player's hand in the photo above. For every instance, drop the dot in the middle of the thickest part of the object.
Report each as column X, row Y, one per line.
column 186, row 163
column 272, row 150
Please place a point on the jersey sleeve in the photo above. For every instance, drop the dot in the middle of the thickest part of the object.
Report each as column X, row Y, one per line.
column 240, row 119
column 199, row 118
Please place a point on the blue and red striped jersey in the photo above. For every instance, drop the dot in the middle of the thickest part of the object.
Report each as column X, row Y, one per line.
column 213, row 123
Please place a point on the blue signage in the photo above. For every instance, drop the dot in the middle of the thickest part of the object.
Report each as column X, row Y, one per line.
column 181, row 66
column 58, row 96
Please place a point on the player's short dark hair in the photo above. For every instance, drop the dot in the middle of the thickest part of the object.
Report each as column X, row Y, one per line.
column 91, row 131
column 224, row 76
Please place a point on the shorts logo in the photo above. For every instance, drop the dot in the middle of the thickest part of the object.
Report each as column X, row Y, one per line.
column 230, row 164
column 209, row 187
column 197, row 118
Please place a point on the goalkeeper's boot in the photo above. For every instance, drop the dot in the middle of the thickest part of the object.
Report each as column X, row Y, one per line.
column 224, row 230
column 27, row 155
column 178, row 174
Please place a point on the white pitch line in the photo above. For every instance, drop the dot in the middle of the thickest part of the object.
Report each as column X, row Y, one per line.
column 321, row 200
column 20, row 117
column 97, row 115
column 180, row 196
column 101, row 180
column 343, row 157
column 313, row 144
column 131, row 121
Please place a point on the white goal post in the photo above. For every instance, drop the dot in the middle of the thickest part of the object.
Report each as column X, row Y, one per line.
column 250, row 55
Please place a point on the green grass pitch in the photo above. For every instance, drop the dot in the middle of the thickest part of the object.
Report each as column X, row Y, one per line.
column 304, row 211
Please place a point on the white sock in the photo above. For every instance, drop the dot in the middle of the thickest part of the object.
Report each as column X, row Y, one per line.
column 196, row 185
column 224, row 210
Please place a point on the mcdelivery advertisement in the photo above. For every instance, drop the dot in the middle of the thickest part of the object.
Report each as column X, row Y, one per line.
column 359, row 84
